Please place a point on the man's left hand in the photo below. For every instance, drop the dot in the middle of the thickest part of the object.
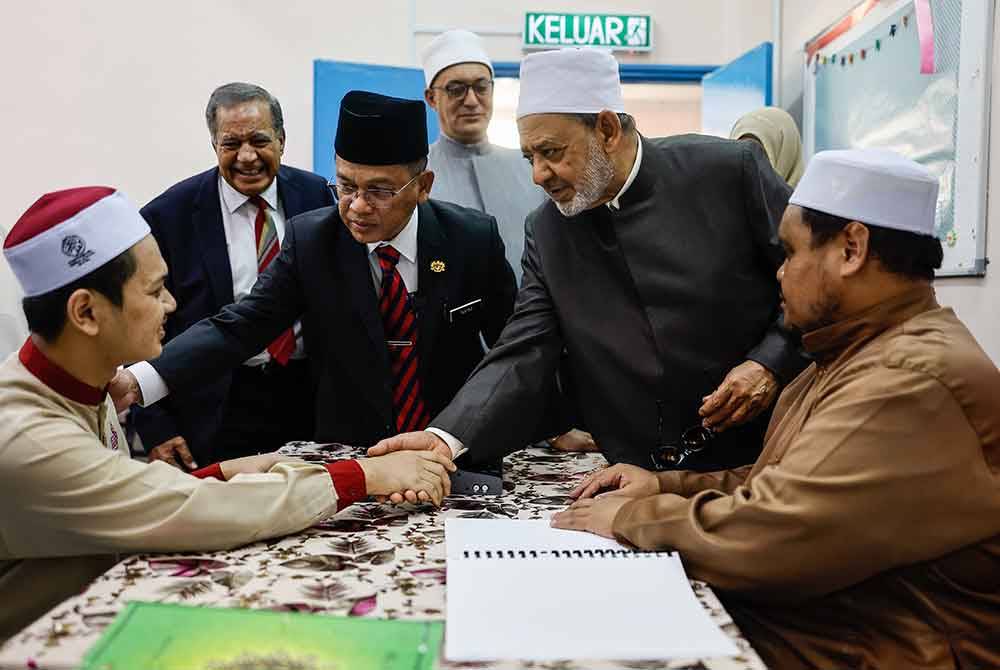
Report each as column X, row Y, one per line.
column 747, row 390
column 594, row 515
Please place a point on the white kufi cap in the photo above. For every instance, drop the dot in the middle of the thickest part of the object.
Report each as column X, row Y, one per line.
column 569, row 81
column 452, row 48
column 874, row 186
column 68, row 234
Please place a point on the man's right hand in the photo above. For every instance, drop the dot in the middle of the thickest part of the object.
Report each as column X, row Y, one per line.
column 422, row 440
column 175, row 452
column 124, row 390
column 626, row 480
column 421, row 475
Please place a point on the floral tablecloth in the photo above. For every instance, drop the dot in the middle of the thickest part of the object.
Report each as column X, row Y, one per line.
column 369, row 560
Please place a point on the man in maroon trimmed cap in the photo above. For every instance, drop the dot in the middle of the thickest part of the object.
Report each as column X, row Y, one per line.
column 93, row 279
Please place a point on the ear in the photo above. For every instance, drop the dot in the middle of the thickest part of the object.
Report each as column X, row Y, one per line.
column 281, row 144
column 82, row 312
column 429, row 97
column 855, row 250
column 609, row 130
column 426, row 181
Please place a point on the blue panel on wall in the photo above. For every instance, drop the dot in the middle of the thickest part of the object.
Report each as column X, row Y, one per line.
column 735, row 89
column 333, row 79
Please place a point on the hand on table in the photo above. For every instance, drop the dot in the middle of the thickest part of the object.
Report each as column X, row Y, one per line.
column 421, row 476
column 174, row 452
column 124, row 390
column 593, row 515
column 629, row 481
column 574, row 440
column 747, row 390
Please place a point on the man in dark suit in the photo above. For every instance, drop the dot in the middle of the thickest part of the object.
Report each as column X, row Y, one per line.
column 215, row 238
column 654, row 266
column 394, row 290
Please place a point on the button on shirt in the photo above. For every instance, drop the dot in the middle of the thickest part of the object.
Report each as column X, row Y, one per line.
column 238, row 217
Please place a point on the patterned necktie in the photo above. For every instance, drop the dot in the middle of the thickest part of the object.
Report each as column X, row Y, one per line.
column 267, row 248
column 400, row 325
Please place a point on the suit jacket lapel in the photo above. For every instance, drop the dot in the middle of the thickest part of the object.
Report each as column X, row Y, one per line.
column 289, row 194
column 434, row 272
column 208, row 227
column 352, row 261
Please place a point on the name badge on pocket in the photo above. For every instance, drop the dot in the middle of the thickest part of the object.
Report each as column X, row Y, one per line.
column 464, row 310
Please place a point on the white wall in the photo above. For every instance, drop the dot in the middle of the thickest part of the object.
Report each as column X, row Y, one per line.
column 976, row 300
column 113, row 92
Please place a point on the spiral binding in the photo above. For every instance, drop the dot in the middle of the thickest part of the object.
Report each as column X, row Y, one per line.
column 560, row 553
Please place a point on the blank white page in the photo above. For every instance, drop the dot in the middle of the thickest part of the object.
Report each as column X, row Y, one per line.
column 634, row 607
column 517, row 534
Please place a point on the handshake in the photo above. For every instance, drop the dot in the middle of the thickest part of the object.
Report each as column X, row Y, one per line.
column 410, row 467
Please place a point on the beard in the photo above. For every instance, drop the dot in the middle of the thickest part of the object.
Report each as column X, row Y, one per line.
column 594, row 179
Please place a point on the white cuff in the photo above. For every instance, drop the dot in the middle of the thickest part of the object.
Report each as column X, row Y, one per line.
column 457, row 448
column 151, row 384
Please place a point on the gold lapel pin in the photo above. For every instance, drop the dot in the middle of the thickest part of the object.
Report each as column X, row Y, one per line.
column 437, row 266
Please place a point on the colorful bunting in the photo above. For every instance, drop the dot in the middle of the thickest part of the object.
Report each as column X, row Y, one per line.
column 848, row 59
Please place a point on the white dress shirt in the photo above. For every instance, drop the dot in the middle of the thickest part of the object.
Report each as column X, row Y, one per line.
column 456, row 446
column 405, row 243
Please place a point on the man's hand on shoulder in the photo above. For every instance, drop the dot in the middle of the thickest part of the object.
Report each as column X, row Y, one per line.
column 124, row 390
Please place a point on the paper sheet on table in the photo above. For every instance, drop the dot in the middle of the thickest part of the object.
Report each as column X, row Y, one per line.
column 632, row 607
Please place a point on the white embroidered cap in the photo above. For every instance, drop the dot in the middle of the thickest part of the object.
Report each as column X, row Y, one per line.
column 569, row 81
column 451, row 48
column 874, row 186
column 68, row 234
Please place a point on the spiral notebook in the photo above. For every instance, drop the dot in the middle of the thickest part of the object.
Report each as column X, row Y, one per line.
column 519, row 589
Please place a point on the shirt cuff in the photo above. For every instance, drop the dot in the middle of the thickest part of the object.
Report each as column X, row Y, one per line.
column 349, row 482
column 151, row 384
column 457, row 448
column 214, row 471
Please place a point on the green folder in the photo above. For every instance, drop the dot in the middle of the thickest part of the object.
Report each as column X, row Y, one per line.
column 156, row 636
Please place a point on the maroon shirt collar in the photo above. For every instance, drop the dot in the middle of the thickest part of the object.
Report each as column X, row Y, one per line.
column 58, row 379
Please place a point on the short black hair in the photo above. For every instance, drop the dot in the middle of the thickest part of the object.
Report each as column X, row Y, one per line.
column 909, row 254
column 46, row 313
column 237, row 93
column 590, row 120
column 417, row 166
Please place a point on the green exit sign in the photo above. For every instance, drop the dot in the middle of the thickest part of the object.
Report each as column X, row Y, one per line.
column 619, row 32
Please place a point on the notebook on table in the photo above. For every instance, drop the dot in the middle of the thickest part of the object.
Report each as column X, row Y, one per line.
column 519, row 589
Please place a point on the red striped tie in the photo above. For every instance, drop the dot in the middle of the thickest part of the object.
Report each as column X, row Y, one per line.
column 400, row 325
column 267, row 248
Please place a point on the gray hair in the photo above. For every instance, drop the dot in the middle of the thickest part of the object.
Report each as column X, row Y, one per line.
column 590, row 120
column 237, row 93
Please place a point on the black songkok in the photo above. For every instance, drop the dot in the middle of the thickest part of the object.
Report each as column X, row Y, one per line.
column 381, row 130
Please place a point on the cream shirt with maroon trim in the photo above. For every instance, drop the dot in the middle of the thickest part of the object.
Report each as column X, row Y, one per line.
column 69, row 489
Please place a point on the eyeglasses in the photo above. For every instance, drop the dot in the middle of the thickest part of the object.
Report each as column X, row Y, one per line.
column 457, row 90
column 378, row 198
column 693, row 441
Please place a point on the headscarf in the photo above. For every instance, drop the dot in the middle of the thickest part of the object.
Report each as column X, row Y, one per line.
column 776, row 130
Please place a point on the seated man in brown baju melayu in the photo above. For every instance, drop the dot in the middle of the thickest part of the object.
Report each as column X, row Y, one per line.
column 867, row 534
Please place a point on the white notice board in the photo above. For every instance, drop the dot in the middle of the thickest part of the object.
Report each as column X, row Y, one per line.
column 886, row 76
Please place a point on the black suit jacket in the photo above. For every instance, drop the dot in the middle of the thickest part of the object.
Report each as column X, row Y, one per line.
column 655, row 303
column 323, row 276
column 186, row 221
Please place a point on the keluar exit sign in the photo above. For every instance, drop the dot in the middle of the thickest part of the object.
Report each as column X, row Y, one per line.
column 619, row 32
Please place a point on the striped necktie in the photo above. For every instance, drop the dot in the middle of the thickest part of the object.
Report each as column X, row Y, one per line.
column 267, row 248
column 400, row 325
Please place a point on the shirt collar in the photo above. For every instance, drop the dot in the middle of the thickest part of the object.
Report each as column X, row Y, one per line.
column 453, row 147
column 828, row 342
column 405, row 241
column 614, row 204
column 234, row 199
column 58, row 379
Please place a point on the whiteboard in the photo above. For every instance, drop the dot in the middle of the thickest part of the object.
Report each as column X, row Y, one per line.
column 864, row 88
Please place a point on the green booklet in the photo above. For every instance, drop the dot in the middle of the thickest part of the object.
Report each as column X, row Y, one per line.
column 156, row 636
